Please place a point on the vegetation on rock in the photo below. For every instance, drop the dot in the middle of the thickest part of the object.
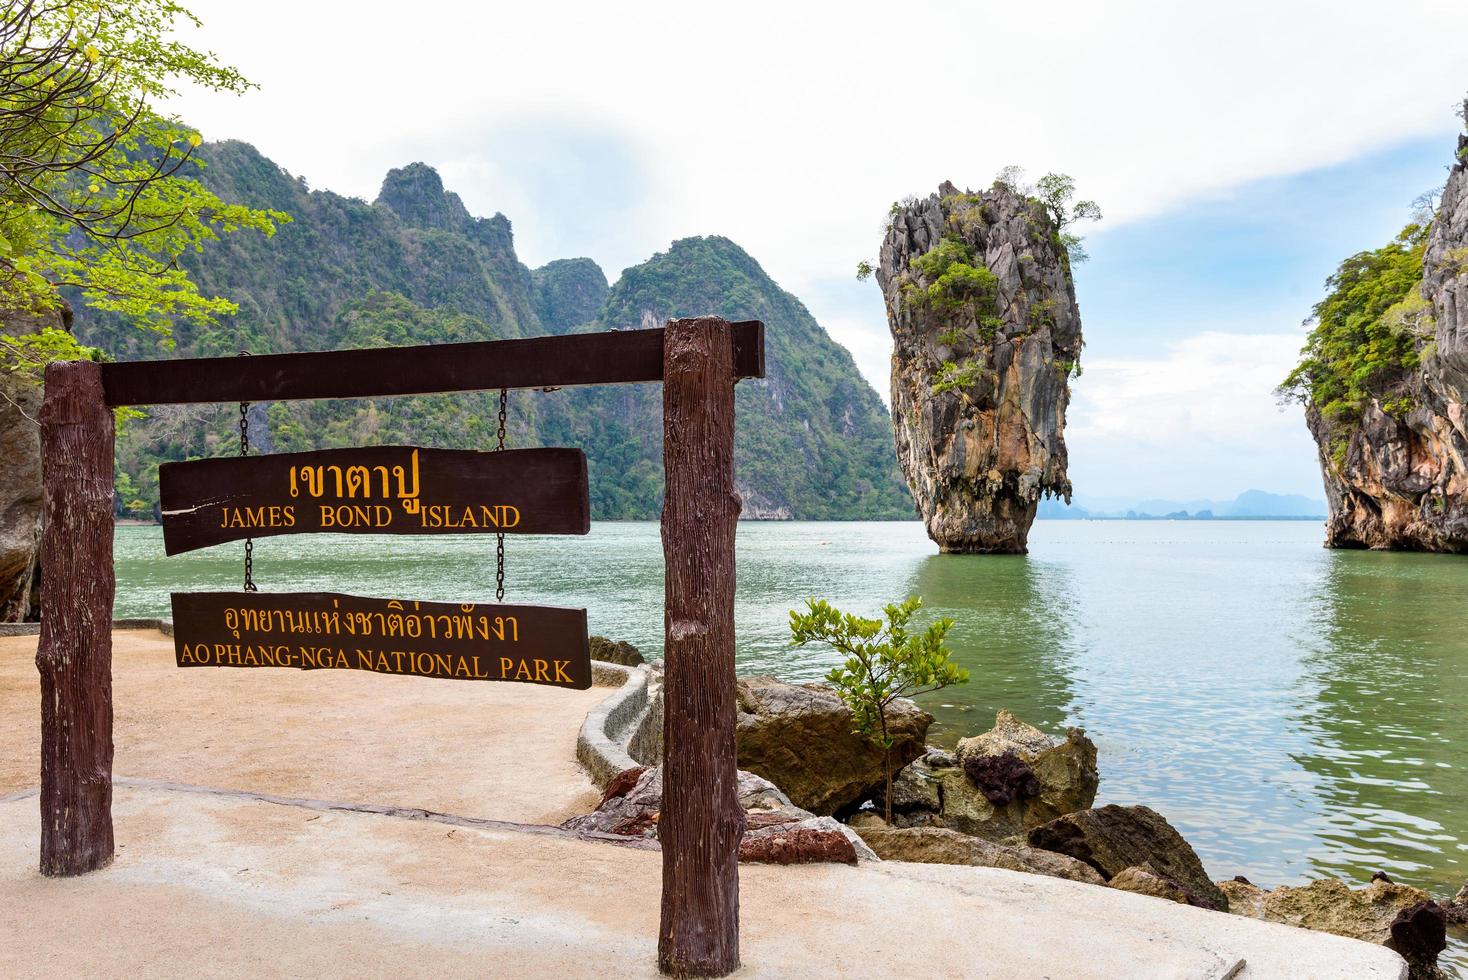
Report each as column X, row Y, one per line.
column 1368, row 336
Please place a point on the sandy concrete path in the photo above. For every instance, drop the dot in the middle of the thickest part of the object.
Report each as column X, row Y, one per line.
column 506, row 751
column 219, row 884
column 205, row 886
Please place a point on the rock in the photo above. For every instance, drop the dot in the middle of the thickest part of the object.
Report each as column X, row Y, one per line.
column 938, row 759
column 933, row 845
column 1456, row 910
column 1146, row 880
column 915, row 790
column 619, row 652
column 967, row 810
column 775, row 830
column 622, row 783
column 980, row 362
column 1400, row 917
column 1009, row 735
column 1420, row 933
column 20, row 476
column 1398, row 479
column 1244, row 897
column 1024, row 778
column 865, row 818
column 799, row 737
column 1002, row 778
column 797, row 843
column 1113, row 838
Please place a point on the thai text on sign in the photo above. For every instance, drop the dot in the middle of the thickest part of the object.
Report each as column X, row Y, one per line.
column 326, row 630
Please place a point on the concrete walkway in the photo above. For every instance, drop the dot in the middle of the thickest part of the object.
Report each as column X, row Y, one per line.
column 209, row 881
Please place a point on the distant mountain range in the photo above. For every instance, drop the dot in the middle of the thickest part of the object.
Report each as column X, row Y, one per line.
column 414, row 267
column 1249, row 505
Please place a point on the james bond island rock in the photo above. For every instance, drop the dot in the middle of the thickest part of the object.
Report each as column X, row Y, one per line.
column 986, row 334
column 799, row 737
column 20, row 476
column 1113, row 839
column 1384, row 381
column 1397, row 916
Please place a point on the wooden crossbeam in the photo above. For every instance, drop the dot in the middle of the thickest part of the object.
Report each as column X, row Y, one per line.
column 612, row 357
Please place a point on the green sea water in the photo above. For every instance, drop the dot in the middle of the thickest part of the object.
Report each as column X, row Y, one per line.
column 1294, row 711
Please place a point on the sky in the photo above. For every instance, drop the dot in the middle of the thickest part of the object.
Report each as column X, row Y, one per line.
column 1238, row 150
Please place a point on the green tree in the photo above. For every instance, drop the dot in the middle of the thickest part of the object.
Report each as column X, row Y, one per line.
column 1055, row 191
column 98, row 191
column 884, row 661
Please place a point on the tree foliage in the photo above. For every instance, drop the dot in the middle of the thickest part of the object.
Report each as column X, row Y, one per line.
column 94, row 192
column 884, row 660
column 1056, row 193
column 1367, row 334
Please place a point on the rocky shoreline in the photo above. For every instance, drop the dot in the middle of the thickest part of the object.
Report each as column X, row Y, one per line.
column 1012, row 797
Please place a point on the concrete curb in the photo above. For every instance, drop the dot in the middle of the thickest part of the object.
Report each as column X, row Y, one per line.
column 164, row 626
column 599, row 745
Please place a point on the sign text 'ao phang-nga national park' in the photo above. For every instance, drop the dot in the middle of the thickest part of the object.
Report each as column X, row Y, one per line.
column 378, row 489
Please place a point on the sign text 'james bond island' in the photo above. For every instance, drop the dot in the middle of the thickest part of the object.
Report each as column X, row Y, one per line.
column 376, row 490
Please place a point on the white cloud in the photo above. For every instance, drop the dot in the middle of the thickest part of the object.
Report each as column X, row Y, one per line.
column 791, row 127
column 1198, row 420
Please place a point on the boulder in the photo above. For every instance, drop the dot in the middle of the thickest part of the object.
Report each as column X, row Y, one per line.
column 934, row 845
column 1113, row 838
column 776, row 831
column 804, row 842
column 915, row 791
column 1146, row 880
column 1399, row 917
column 1065, row 777
column 615, row 652
column 799, row 736
column 20, row 477
column 1456, row 910
column 1009, row 734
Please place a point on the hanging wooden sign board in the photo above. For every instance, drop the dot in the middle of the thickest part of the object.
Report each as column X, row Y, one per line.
column 373, row 490
column 327, row 630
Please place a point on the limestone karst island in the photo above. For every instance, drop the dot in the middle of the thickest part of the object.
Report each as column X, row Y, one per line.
column 804, row 491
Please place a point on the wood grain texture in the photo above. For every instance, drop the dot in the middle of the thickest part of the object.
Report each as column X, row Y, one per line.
column 373, row 490
column 74, row 655
column 701, row 822
column 607, row 357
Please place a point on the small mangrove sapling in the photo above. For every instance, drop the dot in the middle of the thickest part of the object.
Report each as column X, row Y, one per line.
column 884, row 661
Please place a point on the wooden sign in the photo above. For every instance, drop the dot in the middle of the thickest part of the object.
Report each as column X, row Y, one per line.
column 373, row 490
column 327, row 630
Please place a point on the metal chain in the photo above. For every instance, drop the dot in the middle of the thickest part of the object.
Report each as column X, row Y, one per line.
column 245, row 451
column 499, row 545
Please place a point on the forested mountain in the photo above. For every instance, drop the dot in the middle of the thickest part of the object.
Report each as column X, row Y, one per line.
column 415, row 267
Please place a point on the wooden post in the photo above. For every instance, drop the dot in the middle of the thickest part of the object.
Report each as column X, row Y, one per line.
column 75, row 651
column 701, row 822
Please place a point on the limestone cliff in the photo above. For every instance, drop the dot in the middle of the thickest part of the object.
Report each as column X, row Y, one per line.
column 20, row 475
column 1396, row 465
column 985, row 333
